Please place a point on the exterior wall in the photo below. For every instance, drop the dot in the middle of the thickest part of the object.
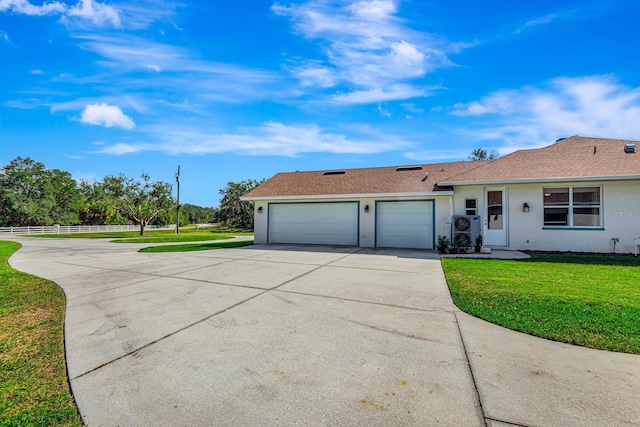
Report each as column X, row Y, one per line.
column 620, row 217
column 260, row 222
column 367, row 236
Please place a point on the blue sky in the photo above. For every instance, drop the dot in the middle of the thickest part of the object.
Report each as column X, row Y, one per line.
column 236, row 90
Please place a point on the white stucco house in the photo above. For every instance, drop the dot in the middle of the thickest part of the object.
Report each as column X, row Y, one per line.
column 579, row 194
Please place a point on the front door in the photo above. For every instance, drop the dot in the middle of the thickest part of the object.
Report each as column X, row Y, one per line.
column 495, row 218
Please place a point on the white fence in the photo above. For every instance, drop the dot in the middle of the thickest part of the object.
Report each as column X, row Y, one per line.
column 64, row 229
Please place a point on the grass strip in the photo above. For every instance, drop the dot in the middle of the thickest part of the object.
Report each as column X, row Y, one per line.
column 592, row 301
column 169, row 235
column 198, row 246
column 33, row 382
column 177, row 238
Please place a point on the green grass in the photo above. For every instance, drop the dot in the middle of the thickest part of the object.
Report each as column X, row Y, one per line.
column 33, row 381
column 191, row 237
column 156, row 236
column 198, row 247
column 592, row 301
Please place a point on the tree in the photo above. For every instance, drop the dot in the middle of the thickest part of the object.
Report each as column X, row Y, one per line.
column 30, row 194
column 483, row 154
column 197, row 214
column 62, row 190
column 21, row 193
column 100, row 202
column 234, row 211
column 142, row 201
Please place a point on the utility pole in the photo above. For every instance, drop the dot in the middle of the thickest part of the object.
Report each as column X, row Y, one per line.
column 178, row 202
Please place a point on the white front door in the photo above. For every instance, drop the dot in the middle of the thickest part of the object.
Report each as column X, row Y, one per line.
column 495, row 217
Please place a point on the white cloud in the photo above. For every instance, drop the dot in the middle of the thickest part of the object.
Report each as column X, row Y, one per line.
column 473, row 108
column 98, row 13
column 142, row 13
column 4, row 36
column 436, row 155
column 597, row 106
column 539, row 21
column 106, row 115
column 373, row 10
column 26, row 8
column 179, row 70
column 314, row 74
column 406, row 59
column 368, row 48
column 411, row 108
column 586, row 11
column 383, row 112
column 123, row 148
column 271, row 138
column 393, row 93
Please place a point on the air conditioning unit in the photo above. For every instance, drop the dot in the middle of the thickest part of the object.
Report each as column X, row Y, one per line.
column 466, row 229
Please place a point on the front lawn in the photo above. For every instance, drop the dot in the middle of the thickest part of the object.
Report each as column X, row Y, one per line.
column 33, row 380
column 191, row 234
column 593, row 301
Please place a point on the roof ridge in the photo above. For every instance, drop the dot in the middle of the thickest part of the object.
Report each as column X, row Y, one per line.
column 592, row 137
column 379, row 167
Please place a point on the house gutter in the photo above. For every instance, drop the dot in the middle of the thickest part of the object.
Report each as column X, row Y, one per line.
column 542, row 180
column 347, row 196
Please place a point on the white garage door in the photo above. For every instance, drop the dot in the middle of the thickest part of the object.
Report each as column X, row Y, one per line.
column 314, row 223
column 407, row 224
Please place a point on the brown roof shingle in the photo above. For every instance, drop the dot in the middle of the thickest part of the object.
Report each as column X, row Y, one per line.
column 378, row 180
column 573, row 157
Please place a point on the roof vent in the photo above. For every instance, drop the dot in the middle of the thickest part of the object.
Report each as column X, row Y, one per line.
column 630, row 148
column 408, row 168
column 334, row 173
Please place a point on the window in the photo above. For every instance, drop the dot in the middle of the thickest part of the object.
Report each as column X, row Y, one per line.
column 572, row 207
column 494, row 210
column 471, row 206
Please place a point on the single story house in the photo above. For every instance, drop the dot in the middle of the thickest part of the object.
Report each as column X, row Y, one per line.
column 578, row 194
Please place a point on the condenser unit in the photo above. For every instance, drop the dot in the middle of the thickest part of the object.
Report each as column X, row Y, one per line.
column 466, row 228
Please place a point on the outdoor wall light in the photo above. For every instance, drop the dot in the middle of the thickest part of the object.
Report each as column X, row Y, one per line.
column 525, row 207
column 259, row 209
column 366, row 209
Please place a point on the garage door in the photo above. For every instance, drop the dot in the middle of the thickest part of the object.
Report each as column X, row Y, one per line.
column 314, row 223
column 406, row 224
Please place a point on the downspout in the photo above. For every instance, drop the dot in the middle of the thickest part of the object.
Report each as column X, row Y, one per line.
column 448, row 224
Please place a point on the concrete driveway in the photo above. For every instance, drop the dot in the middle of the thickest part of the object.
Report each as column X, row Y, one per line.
column 282, row 335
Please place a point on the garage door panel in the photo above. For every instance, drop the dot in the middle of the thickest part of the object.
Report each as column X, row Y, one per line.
column 314, row 223
column 404, row 224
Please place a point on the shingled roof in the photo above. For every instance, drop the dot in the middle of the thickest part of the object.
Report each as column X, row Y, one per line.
column 380, row 180
column 574, row 157
column 571, row 158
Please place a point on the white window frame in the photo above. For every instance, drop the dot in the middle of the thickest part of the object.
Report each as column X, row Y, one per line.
column 571, row 206
column 466, row 209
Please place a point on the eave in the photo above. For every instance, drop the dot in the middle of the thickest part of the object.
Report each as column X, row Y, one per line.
column 543, row 180
column 348, row 196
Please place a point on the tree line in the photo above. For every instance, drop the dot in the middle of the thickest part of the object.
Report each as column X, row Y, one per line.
column 31, row 194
